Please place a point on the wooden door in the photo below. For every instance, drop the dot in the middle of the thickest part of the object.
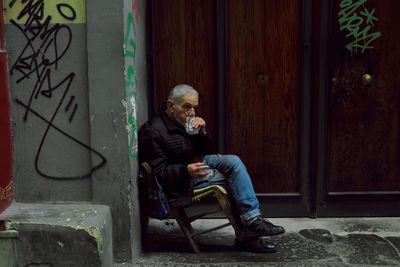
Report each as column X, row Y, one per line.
column 184, row 51
column 363, row 142
column 264, row 91
column 264, row 98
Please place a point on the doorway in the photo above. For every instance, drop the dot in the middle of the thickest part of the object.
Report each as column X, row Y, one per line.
column 264, row 71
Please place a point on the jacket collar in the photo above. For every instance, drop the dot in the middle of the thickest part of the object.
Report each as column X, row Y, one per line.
column 169, row 123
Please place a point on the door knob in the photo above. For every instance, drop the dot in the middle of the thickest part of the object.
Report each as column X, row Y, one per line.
column 262, row 79
column 366, row 79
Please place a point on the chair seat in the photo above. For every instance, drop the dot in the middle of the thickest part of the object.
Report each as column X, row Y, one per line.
column 203, row 189
column 198, row 194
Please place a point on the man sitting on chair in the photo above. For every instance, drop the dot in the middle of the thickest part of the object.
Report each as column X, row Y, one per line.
column 179, row 150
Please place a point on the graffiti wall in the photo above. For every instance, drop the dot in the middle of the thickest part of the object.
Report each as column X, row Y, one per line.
column 78, row 95
column 46, row 41
column 5, row 132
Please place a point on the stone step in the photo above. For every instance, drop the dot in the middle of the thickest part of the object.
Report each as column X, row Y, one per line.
column 61, row 234
column 7, row 247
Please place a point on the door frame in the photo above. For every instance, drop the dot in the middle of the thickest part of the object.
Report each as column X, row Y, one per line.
column 343, row 204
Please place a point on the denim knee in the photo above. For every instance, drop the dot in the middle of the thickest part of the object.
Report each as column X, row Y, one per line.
column 233, row 161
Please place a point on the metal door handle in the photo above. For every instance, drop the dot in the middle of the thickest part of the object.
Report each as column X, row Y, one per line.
column 366, row 79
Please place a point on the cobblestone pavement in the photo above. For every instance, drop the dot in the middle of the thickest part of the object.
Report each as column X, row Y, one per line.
column 307, row 242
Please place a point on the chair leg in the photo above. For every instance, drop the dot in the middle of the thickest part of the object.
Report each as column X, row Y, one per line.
column 185, row 219
column 182, row 224
column 226, row 207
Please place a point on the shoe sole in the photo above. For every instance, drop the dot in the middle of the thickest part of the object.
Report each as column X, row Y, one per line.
column 254, row 235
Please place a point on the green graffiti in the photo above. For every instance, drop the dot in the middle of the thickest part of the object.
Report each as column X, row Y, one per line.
column 131, row 77
column 130, row 84
column 369, row 16
column 128, row 38
column 357, row 23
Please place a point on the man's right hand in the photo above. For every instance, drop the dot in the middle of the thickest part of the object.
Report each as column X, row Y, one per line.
column 198, row 170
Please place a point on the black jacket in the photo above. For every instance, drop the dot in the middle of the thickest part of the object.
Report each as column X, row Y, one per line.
column 168, row 149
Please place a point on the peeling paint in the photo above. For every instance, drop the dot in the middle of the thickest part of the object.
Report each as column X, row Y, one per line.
column 96, row 234
column 10, row 226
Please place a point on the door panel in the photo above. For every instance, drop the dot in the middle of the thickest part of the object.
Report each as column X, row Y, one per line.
column 263, row 111
column 262, row 77
column 185, row 51
column 364, row 118
column 362, row 176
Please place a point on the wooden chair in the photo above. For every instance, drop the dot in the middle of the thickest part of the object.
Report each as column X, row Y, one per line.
column 178, row 211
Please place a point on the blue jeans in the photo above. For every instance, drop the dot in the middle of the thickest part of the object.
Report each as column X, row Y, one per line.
column 231, row 171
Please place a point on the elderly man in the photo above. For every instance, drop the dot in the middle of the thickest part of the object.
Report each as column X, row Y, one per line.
column 179, row 149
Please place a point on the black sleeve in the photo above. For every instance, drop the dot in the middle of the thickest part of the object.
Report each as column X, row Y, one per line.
column 151, row 151
column 204, row 144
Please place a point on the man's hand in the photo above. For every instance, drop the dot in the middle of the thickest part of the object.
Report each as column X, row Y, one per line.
column 199, row 123
column 198, row 170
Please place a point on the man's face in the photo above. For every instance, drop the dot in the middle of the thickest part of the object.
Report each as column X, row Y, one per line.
column 183, row 109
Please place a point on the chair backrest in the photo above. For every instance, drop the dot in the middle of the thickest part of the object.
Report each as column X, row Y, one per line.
column 154, row 200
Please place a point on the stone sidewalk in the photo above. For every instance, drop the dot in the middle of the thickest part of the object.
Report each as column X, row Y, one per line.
column 307, row 242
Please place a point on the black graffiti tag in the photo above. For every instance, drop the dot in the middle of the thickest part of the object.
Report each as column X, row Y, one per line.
column 62, row 8
column 46, row 44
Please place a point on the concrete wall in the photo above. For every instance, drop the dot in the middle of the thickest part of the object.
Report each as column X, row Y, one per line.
column 135, row 101
column 74, row 92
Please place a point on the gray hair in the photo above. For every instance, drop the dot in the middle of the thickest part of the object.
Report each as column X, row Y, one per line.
column 181, row 90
